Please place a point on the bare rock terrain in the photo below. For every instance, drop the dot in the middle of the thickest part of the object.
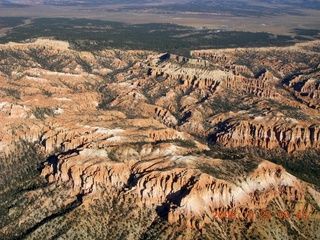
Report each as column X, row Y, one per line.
column 138, row 145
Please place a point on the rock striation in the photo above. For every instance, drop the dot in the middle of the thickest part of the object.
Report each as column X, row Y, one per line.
column 158, row 144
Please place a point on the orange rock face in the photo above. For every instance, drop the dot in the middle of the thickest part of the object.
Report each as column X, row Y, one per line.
column 145, row 140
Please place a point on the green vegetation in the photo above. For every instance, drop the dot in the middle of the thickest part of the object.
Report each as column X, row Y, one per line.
column 113, row 156
column 20, row 165
column 227, row 103
column 235, row 162
column 299, row 168
column 304, row 165
column 217, row 151
column 107, row 96
column 210, row 170
column 7, row 22
column 293, row 112
column 86, row 66
column 180, row 143
column 47, row 93
column 307, row 32
column 12, row 92
column 42, row 112
column 86, row 34
column 289, row 111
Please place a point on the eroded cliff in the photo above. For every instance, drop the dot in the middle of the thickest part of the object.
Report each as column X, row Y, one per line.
column 147, row 144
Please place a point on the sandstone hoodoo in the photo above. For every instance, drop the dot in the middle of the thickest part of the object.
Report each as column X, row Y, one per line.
column 140, row 144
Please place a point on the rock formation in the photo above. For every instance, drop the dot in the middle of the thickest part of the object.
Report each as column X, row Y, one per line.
column 158, row 144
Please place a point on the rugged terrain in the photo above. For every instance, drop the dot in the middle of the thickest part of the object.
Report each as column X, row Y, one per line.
column 144, row 145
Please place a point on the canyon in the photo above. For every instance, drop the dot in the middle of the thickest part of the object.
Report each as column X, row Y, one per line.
column 135, row 144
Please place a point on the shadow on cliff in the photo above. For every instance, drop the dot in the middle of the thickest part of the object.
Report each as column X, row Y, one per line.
column 53, row 160
column 173, row 200
column 220, row 128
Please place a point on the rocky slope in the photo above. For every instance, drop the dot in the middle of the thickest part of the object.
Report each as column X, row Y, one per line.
column 139, row 145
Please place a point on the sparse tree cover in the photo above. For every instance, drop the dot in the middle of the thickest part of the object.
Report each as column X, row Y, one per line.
column 100, row 142
column 95, row 35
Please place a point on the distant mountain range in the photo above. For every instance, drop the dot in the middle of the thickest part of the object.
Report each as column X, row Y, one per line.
column 190, row 5
column 71, row 2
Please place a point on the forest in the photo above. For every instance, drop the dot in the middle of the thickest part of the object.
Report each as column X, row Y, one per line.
column 92, row 35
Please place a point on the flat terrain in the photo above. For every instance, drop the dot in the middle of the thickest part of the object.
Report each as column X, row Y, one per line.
column 277, row 18
column 91, row 35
